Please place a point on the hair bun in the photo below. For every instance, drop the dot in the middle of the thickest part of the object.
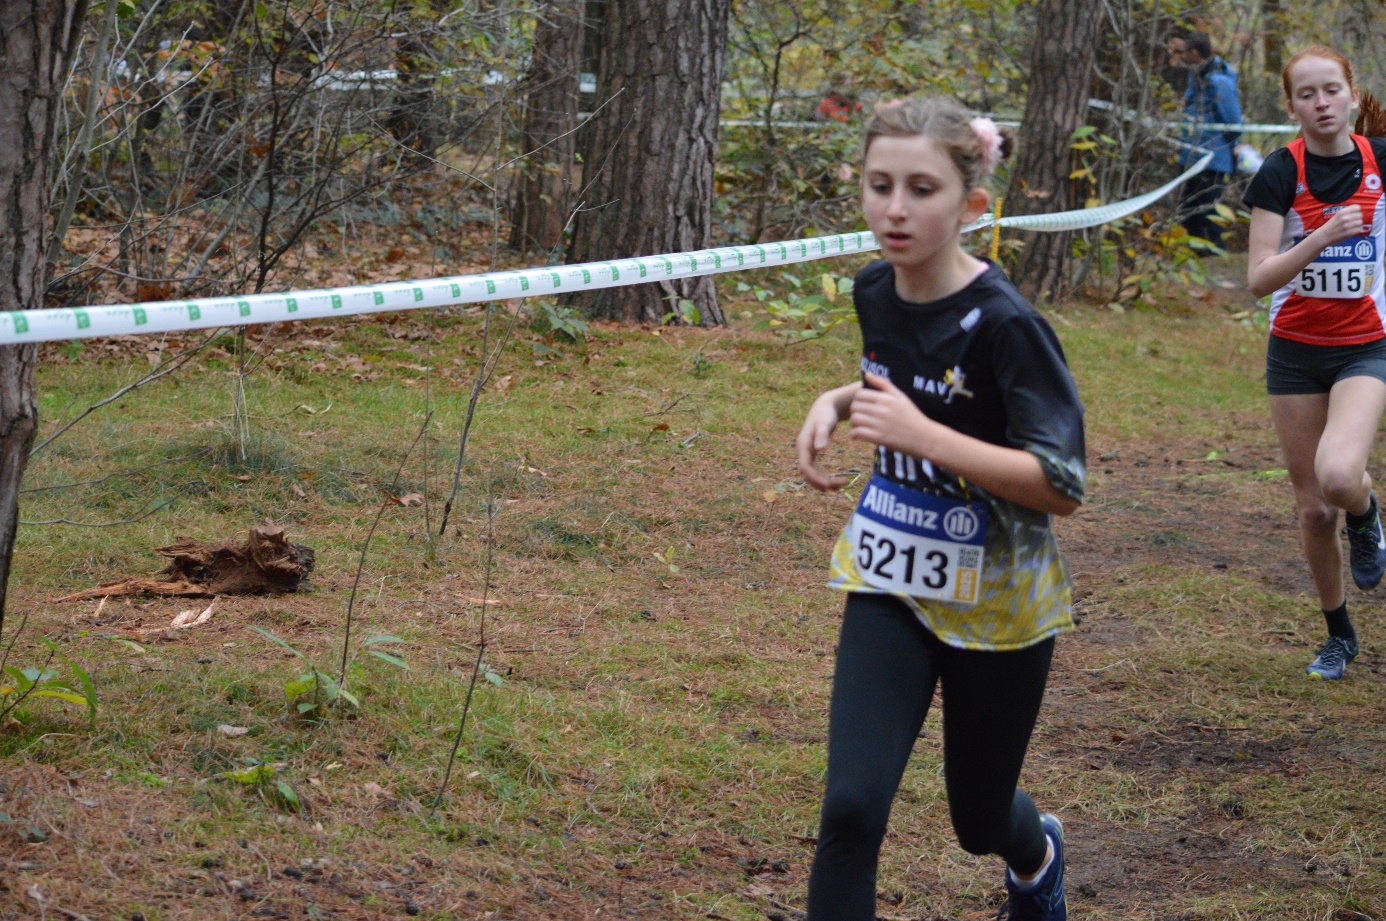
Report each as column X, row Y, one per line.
column 1007, row 135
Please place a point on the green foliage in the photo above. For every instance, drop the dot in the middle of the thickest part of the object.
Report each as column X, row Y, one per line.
column 26, row 684
column 313, row 694
column 801, row 316
column 263, row 776
column 558, row 322
column 685, row 313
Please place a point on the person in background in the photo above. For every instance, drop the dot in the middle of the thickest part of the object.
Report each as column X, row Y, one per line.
column 1211, row 99
column 1317, row 238
column 838, row 104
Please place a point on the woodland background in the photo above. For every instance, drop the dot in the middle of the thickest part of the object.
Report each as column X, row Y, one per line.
column 578, row 522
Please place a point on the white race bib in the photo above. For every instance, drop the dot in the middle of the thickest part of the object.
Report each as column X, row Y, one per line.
column 1343, row 270
column 918, row 544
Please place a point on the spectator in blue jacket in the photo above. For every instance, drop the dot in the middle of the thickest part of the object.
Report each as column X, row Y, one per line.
column 1210, row 99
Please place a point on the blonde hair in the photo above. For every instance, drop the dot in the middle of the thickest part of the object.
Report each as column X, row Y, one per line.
column 947, row 124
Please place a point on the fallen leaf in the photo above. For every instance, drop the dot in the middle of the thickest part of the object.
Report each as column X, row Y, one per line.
column 662, row 427
column 37, row 895
column 770, row 495
column 477, row 601
column 298, row 491
column 411, row 500
column 191, row 617
column 375, row 789
column 227, row 730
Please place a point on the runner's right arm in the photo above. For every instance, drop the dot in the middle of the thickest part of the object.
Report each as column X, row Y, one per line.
column 1268, row 270
column 827, row 411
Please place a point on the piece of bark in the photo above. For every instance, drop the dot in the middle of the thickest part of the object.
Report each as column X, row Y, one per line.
column 136, row 586
column 265, row 564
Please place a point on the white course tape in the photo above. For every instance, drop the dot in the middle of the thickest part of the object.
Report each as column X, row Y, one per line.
column 1091, row 217
column 208, row 313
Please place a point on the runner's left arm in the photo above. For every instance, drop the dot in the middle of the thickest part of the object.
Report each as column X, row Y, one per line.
column 882, row 414
column 1268, row 270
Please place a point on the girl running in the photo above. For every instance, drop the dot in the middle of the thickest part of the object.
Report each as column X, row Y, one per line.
column 1317, row 236
column 951, row 567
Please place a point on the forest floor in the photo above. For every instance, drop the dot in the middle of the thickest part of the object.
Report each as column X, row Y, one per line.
column 657, row 636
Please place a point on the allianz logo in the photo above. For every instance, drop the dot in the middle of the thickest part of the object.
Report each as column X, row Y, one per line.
column 1363, row 250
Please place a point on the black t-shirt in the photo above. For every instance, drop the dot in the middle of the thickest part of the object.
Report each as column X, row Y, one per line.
column 1330, row 179
column 981, row 361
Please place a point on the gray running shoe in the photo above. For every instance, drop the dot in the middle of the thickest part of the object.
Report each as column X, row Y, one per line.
column 1333, row 659
column 1367, row 550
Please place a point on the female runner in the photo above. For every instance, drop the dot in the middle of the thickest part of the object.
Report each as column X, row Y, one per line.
column 1317, row 237
column 951, row 567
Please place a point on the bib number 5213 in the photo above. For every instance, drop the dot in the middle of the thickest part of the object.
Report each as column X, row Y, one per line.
column 917, row 544
column 880, row 556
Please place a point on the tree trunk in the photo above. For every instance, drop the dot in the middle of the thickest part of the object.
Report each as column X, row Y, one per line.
column 543, row 199
column 37, row 40
column 648, row 175
column 1060, row 82
column 1273, row 24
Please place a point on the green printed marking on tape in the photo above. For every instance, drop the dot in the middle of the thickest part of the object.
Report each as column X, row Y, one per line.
column 291, row 304
column 668, row 266
column 418, row 292
column 822, row 246
column 194, row 312
column 784, row 253
column 693, row 263
column 586, row 277
column 717, row 260
column 642, row 269
column 556, row 282
column 803, row 248
column 378, row 297
column 456, row 289
column 761, row 250
column 243, row 307
column 740, row 257
column 524, row 282
column 141, row 317
column 490, row 289
column 336, row 302
column 615, row 272
column 83, row 320
column 20, row 321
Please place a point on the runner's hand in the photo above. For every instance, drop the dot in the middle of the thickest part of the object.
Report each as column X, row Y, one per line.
column 813, row 438
column 882, row 414
column 1344, row 225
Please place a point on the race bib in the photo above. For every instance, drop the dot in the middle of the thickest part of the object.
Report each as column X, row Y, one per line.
column 1343, row 270
column 918, row 544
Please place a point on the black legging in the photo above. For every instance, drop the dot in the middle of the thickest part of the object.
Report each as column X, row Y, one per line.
column 887, row 666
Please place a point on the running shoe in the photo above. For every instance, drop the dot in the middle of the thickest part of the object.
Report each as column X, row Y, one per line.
column 1367, row 550
column 1046, row 901
column 1333, row 659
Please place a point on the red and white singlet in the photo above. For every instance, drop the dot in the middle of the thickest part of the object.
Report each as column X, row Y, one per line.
column 1340, row 297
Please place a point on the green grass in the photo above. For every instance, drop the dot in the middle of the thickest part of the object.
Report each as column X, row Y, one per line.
column 656, row 744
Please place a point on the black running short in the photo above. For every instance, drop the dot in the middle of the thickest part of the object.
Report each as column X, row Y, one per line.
column 1295, row 368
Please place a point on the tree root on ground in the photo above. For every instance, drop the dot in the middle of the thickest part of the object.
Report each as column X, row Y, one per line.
column 265, row 564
